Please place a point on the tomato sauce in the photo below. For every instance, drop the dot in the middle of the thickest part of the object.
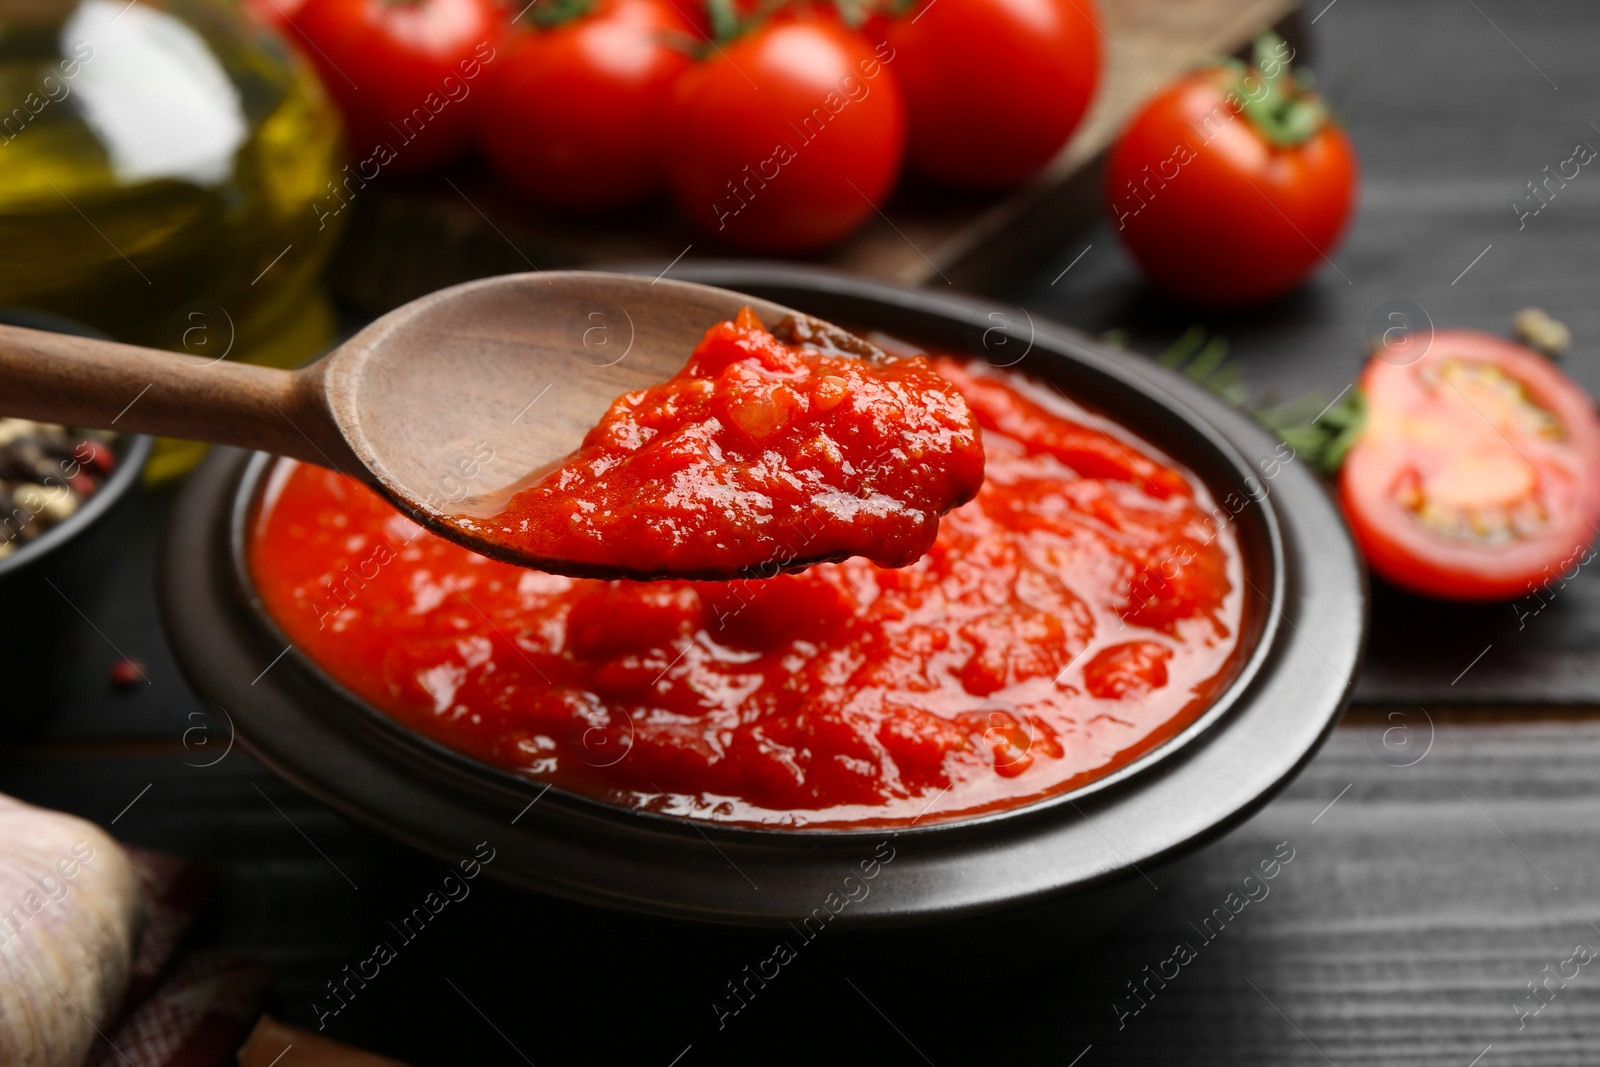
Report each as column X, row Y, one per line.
column 1080, row 610
column 755, row 458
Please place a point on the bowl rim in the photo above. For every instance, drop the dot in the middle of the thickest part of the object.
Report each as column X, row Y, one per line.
column 222, row 494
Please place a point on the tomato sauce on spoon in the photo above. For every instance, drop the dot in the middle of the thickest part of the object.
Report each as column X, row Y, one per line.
column 762, row 455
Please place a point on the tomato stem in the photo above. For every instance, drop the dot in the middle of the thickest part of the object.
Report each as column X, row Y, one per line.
column 729, row 22
column 854, row 12
column 1276, row 99
column 725, row 21
column 548, row 14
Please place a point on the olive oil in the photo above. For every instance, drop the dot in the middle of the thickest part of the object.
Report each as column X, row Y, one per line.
column 158, row 165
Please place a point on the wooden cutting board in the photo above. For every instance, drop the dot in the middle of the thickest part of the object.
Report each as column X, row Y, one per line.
column 407, row 239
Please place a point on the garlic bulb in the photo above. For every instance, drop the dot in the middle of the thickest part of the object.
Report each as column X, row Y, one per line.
column 70, row 911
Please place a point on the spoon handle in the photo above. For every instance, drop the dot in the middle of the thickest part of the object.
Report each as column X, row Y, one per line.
column 80, row 381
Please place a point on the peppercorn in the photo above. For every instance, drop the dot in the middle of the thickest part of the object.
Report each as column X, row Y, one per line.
column 127, row 673
column 46, row 473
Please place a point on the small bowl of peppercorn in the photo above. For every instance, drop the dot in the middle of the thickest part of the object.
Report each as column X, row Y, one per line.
column 64, row 494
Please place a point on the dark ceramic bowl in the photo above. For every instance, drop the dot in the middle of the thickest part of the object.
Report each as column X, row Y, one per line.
column 1304, row 628
column 47, row 582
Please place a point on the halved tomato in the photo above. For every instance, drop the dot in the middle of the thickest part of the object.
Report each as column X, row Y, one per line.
column 1477, row 474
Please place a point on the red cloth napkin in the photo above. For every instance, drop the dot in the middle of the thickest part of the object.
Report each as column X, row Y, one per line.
column 192, row 1011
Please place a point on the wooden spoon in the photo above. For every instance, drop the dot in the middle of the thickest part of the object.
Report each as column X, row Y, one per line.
column 441, row 404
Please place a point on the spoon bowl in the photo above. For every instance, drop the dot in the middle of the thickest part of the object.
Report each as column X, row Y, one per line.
column 456, row 397
column 445, row 405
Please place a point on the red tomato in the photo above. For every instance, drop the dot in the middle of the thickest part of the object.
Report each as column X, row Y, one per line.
column 1477, row 474
column 786, row 138
column 573, row 113
column 993, row 87
column 1229, row 187
column 401, row 72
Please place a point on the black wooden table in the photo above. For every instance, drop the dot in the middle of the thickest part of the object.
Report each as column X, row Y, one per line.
column 1444, row 842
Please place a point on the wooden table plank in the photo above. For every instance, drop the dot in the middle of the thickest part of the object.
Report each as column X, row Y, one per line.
column 1402, row 932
